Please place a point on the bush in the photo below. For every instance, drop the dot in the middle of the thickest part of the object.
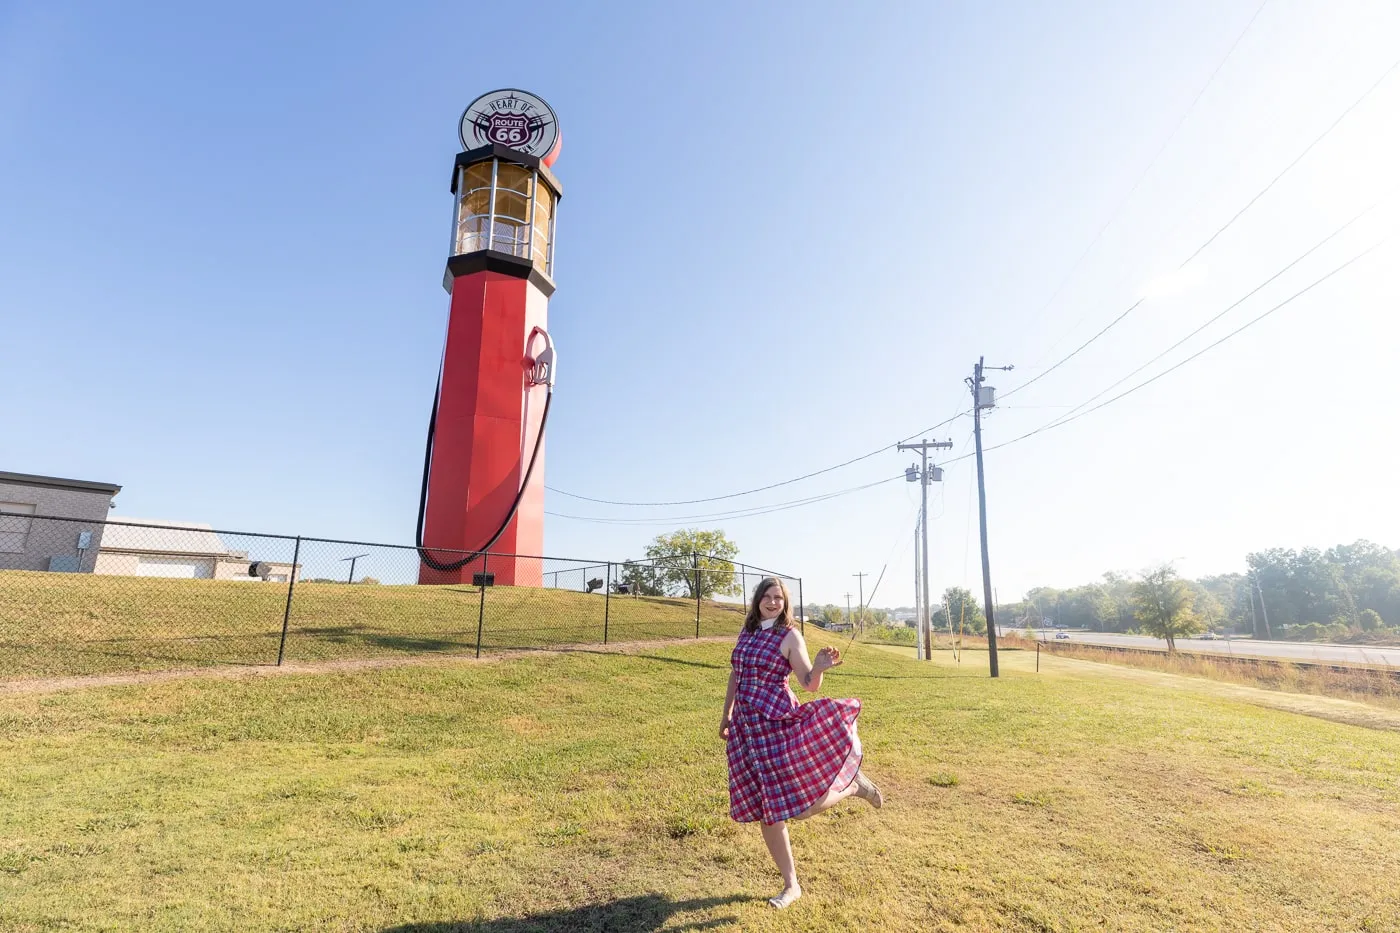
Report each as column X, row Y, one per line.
column 892, row 635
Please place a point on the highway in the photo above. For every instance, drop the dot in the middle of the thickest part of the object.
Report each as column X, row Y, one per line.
column 1285, row 650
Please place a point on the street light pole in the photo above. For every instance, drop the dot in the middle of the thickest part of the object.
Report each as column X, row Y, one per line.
column 352, row 559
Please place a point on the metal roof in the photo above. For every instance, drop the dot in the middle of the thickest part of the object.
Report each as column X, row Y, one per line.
column 56, row 482
column 163, row 537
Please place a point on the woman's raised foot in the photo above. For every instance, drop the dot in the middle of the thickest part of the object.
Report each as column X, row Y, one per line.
column 867, row 791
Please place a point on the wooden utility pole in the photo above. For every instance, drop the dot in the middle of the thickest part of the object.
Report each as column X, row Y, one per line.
column 1268, row 632
column 860, row 577
column 984, row 397
column 924, row 478
column 918, row 599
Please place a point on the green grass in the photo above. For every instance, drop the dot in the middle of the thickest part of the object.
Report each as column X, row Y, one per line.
column 586, row 791
column 55, row 625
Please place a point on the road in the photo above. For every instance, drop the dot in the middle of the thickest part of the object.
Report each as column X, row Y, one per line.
column 1287, row 650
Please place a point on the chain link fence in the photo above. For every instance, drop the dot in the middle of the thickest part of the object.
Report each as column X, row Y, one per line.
column 91, row 597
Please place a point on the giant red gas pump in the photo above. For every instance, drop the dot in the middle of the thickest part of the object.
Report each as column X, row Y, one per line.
column 483, row 471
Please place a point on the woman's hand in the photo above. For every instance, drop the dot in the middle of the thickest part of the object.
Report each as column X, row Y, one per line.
column 827, row 658
column 724, row 728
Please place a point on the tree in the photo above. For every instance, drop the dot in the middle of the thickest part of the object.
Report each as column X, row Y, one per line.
column 962, row 608
column 1164, row 605
column 695, row 563
column 1207, row 607
column 1371, row 574
column 1371, row 621
column 640, row 579
column 1231, row 594
column 1117, row 601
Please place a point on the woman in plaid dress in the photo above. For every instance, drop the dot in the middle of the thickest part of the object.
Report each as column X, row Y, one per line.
column 787, row 761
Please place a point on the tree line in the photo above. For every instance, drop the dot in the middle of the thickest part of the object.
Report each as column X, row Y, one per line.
column 1348, row 592
column 959, row 611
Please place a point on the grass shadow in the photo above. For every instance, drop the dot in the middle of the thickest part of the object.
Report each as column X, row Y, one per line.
column 135, row 649
column 651, row 657
column 642, row 914
column 303, row 642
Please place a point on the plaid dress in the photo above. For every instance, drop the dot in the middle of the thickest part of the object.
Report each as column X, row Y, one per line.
column 783, row 755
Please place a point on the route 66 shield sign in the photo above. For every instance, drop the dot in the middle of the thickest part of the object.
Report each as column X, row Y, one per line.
column 514, row 118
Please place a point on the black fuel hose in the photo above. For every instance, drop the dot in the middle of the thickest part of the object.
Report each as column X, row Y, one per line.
column 423, row 554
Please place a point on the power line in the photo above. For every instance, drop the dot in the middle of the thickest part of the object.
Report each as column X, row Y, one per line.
column 1265, row 190
column 748, row 492
column 724, row 516
column 1075, row 352
column 1062, row 361
column 1250, row 294
column 1242, row 327
column 1181, row 121
column 1298, row 294
column 1212, row 238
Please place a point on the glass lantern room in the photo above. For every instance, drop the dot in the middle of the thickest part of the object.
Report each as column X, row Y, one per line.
column 507, row 208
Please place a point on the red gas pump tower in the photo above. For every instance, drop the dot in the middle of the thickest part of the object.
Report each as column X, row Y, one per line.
column 483, row 472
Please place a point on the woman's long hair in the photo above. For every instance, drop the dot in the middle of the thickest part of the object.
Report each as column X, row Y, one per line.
column 785, row 618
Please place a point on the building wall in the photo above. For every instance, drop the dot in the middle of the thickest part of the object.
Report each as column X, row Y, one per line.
column 238, row 570
column 127, row 564
column 123, row 565
column 46, row 539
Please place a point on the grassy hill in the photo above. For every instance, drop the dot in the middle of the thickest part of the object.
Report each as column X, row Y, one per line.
column 65, row 624
column 586, row 791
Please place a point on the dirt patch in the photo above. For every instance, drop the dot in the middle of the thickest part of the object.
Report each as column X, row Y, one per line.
column 56, row 684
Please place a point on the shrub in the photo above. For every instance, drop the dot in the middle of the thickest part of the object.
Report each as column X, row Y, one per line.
column 891, row 635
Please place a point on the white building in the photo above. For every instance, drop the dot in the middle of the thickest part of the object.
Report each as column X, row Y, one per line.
column 152, row 548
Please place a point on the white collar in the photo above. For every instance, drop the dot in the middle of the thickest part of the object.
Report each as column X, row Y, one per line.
column 767, row 624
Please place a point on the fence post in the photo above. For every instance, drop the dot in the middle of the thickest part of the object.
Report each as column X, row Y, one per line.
column 287, row 612
column 695, row 560
column 481, row 608
column 801, row 609
column 607, row 602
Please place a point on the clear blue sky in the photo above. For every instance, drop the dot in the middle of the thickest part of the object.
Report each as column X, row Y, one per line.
column 788, row 231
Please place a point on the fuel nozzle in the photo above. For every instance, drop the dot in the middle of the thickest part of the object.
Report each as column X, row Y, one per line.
column 541, row 364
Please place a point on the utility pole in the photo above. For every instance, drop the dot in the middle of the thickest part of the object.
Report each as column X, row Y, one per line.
column 919, row 640
column 984, row 397
column 1253, row 612
column 1268, row 632
column 860, row 577
column 923, row 478
column 848, row 613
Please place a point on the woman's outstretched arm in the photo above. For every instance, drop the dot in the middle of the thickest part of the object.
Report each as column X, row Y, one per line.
column 809, row 673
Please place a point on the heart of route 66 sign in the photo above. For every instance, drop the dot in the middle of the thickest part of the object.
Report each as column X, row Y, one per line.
column 513, row 118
